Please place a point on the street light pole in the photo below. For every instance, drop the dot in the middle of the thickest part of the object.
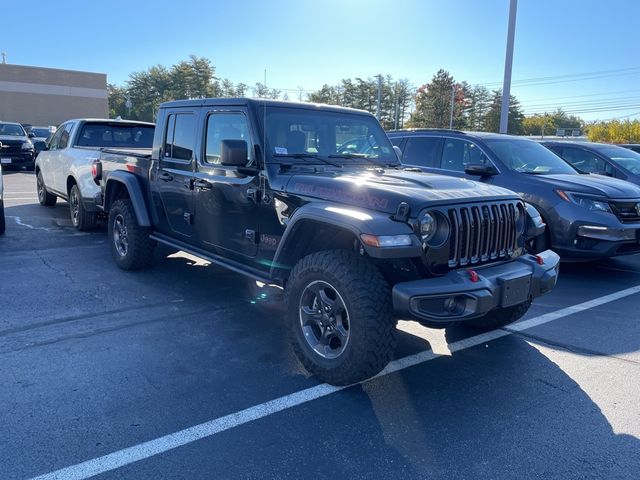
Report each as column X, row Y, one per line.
column 378, row 106
column 508, row 63
column 453, row 98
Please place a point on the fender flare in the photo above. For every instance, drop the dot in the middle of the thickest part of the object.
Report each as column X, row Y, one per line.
column 354, row 220
column 132, row 185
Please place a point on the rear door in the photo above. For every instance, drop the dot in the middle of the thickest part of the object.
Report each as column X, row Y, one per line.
column 174, row 176
column 422, row 152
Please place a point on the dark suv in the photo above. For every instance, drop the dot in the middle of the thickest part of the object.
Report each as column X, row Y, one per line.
column 588, row 216
column 16, row 148
column 601, row 158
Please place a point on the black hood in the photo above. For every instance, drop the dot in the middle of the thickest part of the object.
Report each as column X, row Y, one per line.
column 593, row 185
column 385, row 190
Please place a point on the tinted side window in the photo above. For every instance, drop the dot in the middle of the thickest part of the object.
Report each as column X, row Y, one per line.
column 53, row 143
column 64, row 137
column 421, row 151
column 584, row 161
column 180, row 137
column 458, row 153
column 225, row 126
column 396, row 141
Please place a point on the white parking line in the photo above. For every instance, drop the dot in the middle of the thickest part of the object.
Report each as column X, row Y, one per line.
column 19, row 221
column 171, row 441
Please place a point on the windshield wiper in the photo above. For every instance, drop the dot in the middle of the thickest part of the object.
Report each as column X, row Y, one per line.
column 307, row 155
column 363, row 156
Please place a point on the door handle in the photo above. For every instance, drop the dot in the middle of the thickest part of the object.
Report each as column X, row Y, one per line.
column 201, row 184
column 166, row 177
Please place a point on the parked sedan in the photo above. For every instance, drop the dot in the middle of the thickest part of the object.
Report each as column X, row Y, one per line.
column 588, row 216
column 601, row 158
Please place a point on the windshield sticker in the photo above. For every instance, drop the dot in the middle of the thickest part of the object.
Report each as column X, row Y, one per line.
column 281, row 151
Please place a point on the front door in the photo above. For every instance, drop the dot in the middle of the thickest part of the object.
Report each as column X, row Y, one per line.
column 226, row 201
column 175, row 173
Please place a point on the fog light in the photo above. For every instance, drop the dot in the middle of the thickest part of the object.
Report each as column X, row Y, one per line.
column 455, row 305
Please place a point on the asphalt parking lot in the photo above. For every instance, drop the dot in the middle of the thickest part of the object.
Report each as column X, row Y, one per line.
column 184, row 371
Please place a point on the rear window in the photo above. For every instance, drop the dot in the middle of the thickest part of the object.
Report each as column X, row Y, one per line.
column 118, row 135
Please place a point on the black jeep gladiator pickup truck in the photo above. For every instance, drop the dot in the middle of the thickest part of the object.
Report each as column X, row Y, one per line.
column 312, row 198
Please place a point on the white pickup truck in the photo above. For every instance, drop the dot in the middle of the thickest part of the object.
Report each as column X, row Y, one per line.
column 63, row 169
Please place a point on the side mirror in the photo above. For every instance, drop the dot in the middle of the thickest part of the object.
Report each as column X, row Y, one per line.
column 31, row 135
column 398, row 152
column 234, row 153
column 480, row 169
column 39, row 146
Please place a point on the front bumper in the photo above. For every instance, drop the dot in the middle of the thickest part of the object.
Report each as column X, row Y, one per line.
column 595, row 241
column 455, row 297
column 17, row 159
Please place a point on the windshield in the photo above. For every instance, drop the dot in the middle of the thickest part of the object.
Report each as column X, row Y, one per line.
column 12, row 130
column 316, row 134
column 624, row 157
column 116, row 135
column 40, row 132
column 526, row 156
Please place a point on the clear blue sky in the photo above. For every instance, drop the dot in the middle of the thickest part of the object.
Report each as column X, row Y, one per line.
column 307, row 43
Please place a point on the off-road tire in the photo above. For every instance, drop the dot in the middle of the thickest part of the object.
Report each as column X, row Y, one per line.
column 499, row 317
column 45, row 198
column 367, row 298
column 80, row 217
column 2, row 222
column 139, row 247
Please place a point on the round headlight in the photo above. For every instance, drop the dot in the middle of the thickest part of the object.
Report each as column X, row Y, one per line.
column 428, row 227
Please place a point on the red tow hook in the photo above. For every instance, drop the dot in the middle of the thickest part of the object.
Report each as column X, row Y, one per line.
column 539, row 260
column 473, row 276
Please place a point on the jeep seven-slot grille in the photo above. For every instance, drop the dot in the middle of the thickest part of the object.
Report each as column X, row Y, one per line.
column 481, row 233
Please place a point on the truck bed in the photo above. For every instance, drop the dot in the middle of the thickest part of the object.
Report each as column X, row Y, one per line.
column 132, row 160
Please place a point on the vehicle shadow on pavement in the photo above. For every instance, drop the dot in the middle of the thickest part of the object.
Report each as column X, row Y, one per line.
column 500, row 410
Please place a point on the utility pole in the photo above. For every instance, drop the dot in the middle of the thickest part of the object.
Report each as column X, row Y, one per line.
column 4, row 58
column 379, row 96
column 453, row 98
column 544, row 124
column 508, row 64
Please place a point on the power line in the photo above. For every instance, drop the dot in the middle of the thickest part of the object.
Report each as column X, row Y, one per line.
column 569, row 77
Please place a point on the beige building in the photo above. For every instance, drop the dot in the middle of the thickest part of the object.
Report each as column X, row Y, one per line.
column 49, row 96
